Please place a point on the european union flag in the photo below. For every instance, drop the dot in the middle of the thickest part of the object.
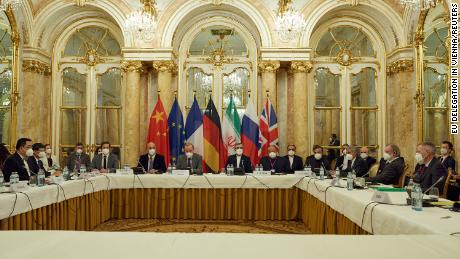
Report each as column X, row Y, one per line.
column 176, row 132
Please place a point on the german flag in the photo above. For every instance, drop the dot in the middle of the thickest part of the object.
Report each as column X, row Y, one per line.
column 214, row 150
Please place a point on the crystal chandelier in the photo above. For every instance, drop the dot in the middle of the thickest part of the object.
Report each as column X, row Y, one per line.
column 290, row 23
column 142, row 23
column 13, row 4
column 419, row 4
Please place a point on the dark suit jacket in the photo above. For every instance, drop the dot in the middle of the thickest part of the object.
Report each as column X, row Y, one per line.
column 332, row 153
column 339, row 162
column 430, row 175
column 317, row 164
column 244, row 166
column 197, row 163
column 370, row 161
column 72, row 158
column 15, row 163
column 388, row 173
column 359, row 166
column 297, row 164
column 112, row 162
column 449, row 162
column 278, row 164
column 35, row 165
column 158, row 162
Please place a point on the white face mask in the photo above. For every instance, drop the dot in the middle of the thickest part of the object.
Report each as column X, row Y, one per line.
column 386, row 156
column 364, row 155
column 152, row 151
column 318, row 156
column 42, row 154
column 291, row 153
column 48, row 151
column 189, row 154
column 349, row 157
column 79, row 151
column 419, row 158
column 239, row 151
column 29, row 152
column 272, row 155
column 443, row 151
column 105, row 151
column 344, row 152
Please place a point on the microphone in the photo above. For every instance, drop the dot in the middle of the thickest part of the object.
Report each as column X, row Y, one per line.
column 143, row 169
column 431, row 187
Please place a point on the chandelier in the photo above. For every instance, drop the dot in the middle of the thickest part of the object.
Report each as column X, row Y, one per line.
column 13, row 4
column 142, row 23
column 289, row 23
column 419, row 4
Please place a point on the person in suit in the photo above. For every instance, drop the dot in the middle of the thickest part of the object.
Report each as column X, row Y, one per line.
column 106, row 162
column 292, row 162
column 18, row 161
column 272, row 162
column 356, row 164
column 190, row 160
column 343, row 160
column 429, row 169
column 370, row 161
column 78, row 158
column 453, row 190
column 333, row 142
column 240, row 162
column 391, row 166
column 151, row 161
column 35, row 162
column 50, row 162
column 317, row 160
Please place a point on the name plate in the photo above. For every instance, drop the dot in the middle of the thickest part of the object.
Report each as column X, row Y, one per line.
column 262, row 173
column 124, row 171
column 302, row 173
column 19, row 187
column 180, row 172
column 58, row 179
column 381, row 197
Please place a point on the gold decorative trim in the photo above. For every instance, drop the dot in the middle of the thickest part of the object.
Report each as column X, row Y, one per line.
column 268, row 66
column 165, row 66
column 132, row 66
column 301, row 67
column 36, row 67
column 91, row 58
column 400, row 66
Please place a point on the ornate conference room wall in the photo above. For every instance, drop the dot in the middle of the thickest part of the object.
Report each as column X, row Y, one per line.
column 372, row 72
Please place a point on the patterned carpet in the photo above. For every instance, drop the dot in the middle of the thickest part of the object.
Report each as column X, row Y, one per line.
column 194, row 226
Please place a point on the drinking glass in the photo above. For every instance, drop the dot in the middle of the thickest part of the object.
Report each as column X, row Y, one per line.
column 434, row 193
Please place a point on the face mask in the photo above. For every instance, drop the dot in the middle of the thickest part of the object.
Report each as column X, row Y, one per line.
column 239, row 151
column 349, row 157
column 291, row 153
column 42, row 154
column 386, row 156
column 330, row 139
column 364, row 155
column 318, row 156
column 152, row 151
column 189, row 154
column 48, row 151
column 105, row 151
column 79, row 151
column 29, row 152
column 443, row 151
column 344, row 152
column 419, row 158
column 272, row 155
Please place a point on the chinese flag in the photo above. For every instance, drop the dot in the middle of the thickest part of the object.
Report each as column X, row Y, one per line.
column 158, row 130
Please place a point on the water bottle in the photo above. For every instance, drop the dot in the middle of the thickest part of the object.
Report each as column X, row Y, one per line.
column 230, row 169
column 82, row 169
column 321, row 174
column 14, row 178
column 410, row 187
column 2, row 179
column 350, row 181
column 173, row 167
column 66, row 174
column 169, row 171
column 417, row 198
column 337, row 173
column 41, row 178
column 353, row 173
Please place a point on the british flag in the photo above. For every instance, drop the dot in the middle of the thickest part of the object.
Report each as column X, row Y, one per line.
column 268, row 129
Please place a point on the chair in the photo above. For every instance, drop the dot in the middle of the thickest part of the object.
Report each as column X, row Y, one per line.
column 446, row 183
column 373, row 170
column 402, row 178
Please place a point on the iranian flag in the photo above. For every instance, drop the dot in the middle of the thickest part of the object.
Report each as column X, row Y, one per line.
column 231, row 128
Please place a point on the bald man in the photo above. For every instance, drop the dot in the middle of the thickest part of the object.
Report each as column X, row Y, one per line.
column 152, row 162
column 370, row 161
column 273, row 162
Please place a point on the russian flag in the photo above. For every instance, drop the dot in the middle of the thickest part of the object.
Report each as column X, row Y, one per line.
column 194, row 127
column 250, row 133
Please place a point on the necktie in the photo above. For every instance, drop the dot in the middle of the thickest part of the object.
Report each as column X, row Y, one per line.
column 40, row 164
column 104, row 162
column 189, row 163
column 150, row 163
column 50, row 162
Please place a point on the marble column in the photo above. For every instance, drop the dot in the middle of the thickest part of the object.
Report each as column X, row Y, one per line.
column 133, row 70
column 268, row 71
column 166, row 70
column 300, row 70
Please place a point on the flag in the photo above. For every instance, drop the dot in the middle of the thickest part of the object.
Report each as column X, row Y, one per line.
column 231, row 128
column 214, row 150
column 268, row 129
column 250, row 133
column 158, row 130
column 176, row 132
column 194, row 127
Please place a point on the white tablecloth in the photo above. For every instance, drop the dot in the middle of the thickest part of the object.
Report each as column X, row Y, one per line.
column 100, row 245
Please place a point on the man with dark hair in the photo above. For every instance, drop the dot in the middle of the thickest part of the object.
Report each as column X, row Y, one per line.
column 35, row 163
column 429, row 169
column 241, row 163
column 78, row 158
column 292, row 162
column 317, row 160
column 446, row 155
column 18, row 161
column 391, row 166
column 105, row 162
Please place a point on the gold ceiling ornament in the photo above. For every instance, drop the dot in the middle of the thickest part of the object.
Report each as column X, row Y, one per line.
column 165, row 65
column 345, row 57
column 218, row 57
column 301, row 67
column 404, row 65
column 268, row 66
column 91, row 58
column 132, row 66
column 35, row 66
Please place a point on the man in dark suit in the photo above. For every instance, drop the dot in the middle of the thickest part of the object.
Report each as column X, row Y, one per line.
column 152, row 162
column 357, row 164
column 344, row 161
column 333, row 142
column 453, row 190
column 18, row 161
column 105, row 162
column 292, row 162
column 272, row 162
column 78, row 158
column 391, row 166
column 370, row 161
column 190, row 161
column 317, row 160
column 240, row 162
column 429, row 169
column 35, row 163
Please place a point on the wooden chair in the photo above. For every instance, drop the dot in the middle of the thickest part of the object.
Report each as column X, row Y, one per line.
column 402, row 178
column 446, row 183
column 373, row 170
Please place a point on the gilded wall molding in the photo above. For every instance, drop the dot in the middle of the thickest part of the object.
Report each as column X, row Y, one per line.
column 268, row 66
column 301, row 67
column 35, row 66
column 400, row 66
column 165, row 66
column 132, row 66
